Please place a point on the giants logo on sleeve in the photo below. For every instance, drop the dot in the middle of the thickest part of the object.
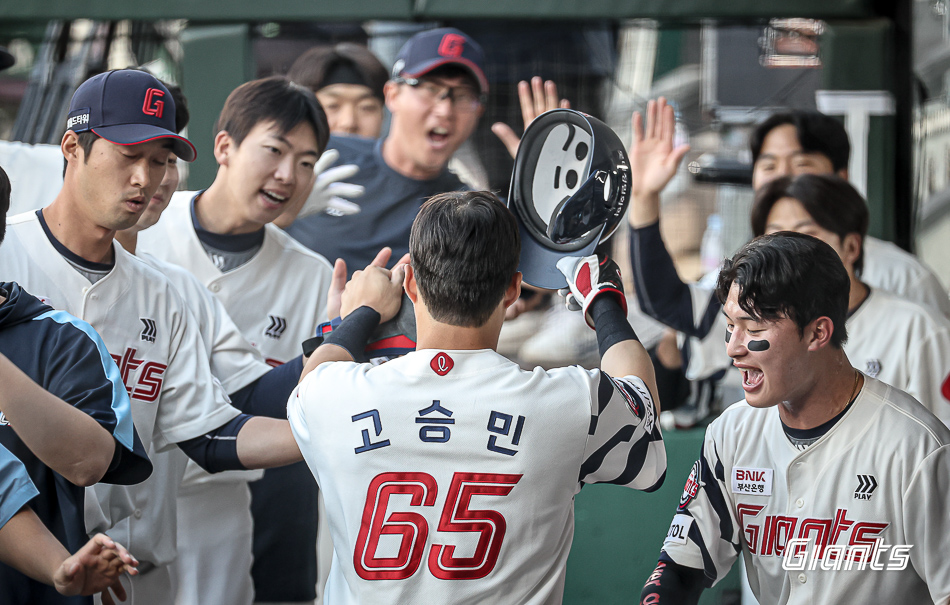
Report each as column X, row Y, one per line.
column 693, row 484
column 752, row 481
column 945, row 388
column 441, row 364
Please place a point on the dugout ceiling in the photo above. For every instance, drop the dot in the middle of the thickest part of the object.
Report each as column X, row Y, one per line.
column 312, row 10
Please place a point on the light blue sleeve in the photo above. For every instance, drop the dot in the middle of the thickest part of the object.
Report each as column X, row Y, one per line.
column 16, row 488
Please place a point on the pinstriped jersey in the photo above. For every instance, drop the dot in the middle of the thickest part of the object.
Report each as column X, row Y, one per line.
column 840, row 513
column 449, row 476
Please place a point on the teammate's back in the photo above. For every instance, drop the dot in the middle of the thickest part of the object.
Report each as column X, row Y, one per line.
column 449, row 474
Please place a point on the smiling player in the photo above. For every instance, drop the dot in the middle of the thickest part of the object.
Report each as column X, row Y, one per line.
column 816, row 452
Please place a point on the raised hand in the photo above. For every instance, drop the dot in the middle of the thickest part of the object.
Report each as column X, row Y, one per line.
column 536, row 98
column 653, row 160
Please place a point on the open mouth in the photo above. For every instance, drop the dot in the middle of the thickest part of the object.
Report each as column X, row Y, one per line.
column 752, row 379
column 273, row 198
column 438, row 136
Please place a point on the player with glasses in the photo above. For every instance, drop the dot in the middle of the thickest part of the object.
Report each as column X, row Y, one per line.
column 399, row 172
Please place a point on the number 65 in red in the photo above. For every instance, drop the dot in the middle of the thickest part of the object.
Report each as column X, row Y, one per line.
column 413, row 530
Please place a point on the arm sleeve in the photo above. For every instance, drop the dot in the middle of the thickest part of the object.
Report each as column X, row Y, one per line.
column 624, row 443
column 705, row 533
column 216, row 450
column 672, row 584
column 16, row 489
column 661, row 293
column 79, row 370
column 927, row 523
column 268, row 395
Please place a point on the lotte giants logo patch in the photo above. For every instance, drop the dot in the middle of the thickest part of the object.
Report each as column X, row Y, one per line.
column 692, row 487
column 945, row 388
column 441, row 364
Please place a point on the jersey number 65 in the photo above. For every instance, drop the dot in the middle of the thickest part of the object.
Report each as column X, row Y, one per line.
column 413, row 529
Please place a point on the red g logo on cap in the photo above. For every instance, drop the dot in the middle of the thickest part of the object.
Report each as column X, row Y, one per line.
column 452, row 45
column 153, row 105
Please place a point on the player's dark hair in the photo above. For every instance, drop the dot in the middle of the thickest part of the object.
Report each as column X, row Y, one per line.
column 830, row 200
column 275, row 99
column 5, row 191
column 792, row 275
column 817, row 133
column 322, row 66
column 464, row 249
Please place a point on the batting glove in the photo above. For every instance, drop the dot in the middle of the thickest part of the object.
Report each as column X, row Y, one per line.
column 328, row 192
column 587, row 278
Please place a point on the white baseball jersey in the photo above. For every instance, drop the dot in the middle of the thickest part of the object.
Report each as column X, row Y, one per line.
column 872, row 485
column 890, row 268
column 449, row 476
column 905, row 345
column 153, row 338
column 277, row 299
column 234, row 362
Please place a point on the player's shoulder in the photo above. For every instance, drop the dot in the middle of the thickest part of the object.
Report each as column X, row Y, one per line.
column 294, row 250
column 902, row 418
column 889, row 308
column 21, row 218
column 884, row 255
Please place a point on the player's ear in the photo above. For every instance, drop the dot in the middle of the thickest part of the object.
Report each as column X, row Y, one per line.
column 514, row 290
column 70, row 147
column 390, row 92
column 223, row 145
column 851, row 248
column 818, row 333
column 409, row 285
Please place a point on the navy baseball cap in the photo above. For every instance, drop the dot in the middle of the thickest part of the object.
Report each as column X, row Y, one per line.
column 434, row 48
column 127, row 107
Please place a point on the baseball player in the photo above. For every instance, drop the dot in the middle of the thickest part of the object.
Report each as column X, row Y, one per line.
column 77, row 433
column 826, row 481
column 270, row 134
column 26, row 545
column 692, row 309
column 783, row 145
column 66, row 253
column 435, row 97
column 893, row 339
column 449, row 473
column 214, row 519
